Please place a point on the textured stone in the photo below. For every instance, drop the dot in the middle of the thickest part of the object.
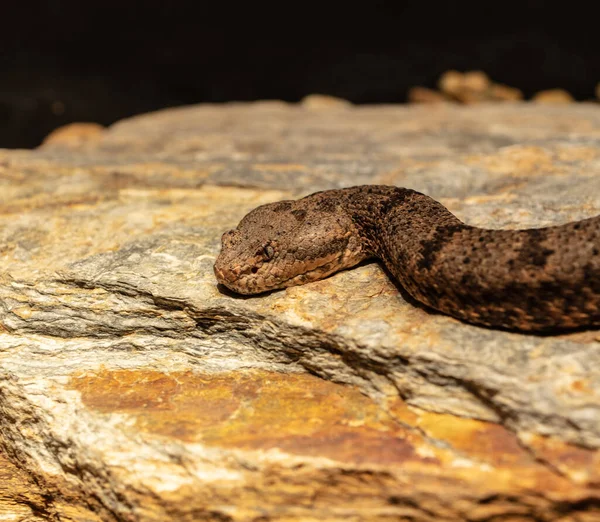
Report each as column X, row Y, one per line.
column 425, row 95
column 475, row 87
column 74, row 134
column 553, row 96
column 323, row 102
column 133, row 388
column 20, row 499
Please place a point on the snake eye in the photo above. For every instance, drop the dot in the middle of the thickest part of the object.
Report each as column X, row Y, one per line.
column 268, row 252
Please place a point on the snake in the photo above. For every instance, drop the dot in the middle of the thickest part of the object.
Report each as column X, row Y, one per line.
column 530, row 280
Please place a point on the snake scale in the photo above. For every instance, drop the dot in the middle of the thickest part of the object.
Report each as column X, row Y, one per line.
column 536, row 280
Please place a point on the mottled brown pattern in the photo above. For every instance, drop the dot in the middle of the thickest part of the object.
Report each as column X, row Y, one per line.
column 541, row 279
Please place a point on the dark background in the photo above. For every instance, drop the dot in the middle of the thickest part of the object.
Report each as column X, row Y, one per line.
column 65, row 61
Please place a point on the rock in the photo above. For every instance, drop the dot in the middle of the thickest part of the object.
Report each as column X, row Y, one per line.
column 73, row 135
column 475, row 87
column 553, row 96
column 321, row 101
column 19, row 497
column 499, row 92
column 133, row 388
column 425, row 95
column 454, row 82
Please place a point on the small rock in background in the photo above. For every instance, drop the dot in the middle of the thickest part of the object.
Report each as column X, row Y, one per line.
column 475, row 87
column 500, row 92
column 322, row 101
column 467, row 88
column 73, row 135
column 553, row 96
column 425, row 95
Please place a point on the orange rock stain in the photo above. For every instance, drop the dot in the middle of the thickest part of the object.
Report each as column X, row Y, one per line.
column 300, row 414
column 296, row 413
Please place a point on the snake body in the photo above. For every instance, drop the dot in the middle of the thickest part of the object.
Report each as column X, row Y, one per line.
column 536, row 280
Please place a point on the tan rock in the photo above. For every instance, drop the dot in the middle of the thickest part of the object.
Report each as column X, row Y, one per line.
column 19, row 497
column 425, row 95
column 553, row 96
column 469, row 87
column 499, row 92
column 322, row 101
column 454, row 82
column 476, row 81
column 133, row 388
column 476, row 87
column 74, row 135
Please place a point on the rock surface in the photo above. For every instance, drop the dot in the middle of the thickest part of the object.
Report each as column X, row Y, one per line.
column 132, row 388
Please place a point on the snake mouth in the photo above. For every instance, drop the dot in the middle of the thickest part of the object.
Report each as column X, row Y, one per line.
column 261, row 279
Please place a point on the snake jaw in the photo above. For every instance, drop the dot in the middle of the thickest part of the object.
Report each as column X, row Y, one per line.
column 258, row 275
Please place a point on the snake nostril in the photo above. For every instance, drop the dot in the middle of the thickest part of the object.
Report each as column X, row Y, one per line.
column 254, row 269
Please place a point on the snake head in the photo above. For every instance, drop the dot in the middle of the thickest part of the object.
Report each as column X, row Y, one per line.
column 285, row 244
